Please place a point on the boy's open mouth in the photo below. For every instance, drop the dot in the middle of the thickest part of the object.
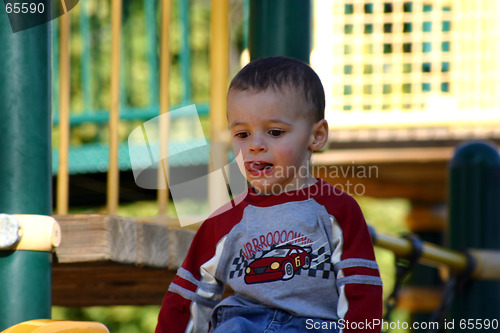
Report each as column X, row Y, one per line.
column 257, row 168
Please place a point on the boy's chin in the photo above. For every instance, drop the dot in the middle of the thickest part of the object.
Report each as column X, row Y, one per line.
column 265, row 187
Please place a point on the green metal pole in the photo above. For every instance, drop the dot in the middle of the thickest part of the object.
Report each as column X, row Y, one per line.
column 425, row 276
column 280, row 27
column 474, row 215
column 25, row 175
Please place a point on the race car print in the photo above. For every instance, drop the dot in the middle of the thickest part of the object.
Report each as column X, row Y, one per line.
column 279, row 263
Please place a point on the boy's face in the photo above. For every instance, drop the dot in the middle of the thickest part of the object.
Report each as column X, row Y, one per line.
column 275, row 137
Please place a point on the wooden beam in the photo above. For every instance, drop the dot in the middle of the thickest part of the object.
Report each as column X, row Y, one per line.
column 111, row 260
column 418, row 181
column 382, row 155
column 420, row 299
column 425, row 217
column 96, row 238
column 108, row 283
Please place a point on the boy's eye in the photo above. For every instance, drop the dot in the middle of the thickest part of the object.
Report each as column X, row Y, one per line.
column 276, row 132
column 241, row 135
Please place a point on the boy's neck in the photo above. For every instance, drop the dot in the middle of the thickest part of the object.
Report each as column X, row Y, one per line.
column 308, row 181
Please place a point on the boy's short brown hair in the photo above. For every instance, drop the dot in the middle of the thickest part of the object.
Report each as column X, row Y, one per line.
column 283, row 72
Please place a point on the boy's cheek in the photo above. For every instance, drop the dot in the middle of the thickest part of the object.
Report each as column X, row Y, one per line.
column 240, row 161
column 236, row 145
column 238, row 151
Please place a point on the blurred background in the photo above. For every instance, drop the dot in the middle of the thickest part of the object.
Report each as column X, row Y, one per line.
column 405, row 82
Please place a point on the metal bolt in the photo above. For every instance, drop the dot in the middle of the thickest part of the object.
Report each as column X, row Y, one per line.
column 10, row 231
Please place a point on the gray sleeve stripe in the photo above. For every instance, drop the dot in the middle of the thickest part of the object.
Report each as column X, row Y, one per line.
column 205, row 302
column 216, row 289
column 359, row 279
column 186, row 275
column 192, row 296
column 355, row 262
column 187, row 294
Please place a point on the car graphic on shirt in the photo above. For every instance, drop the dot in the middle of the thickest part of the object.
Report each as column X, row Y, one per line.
column 279, row 263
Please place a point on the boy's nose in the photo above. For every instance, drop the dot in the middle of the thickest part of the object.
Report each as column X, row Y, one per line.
column 257, row 144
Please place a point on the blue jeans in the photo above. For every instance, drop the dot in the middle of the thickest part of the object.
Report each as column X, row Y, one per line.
column 239, row 319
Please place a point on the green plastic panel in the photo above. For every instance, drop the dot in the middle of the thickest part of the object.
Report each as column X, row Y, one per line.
column 474, row 215
column 280, row 27
column 24, row 294
column 25, row 175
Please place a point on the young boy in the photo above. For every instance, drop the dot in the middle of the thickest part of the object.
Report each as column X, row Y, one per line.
column 296, row 251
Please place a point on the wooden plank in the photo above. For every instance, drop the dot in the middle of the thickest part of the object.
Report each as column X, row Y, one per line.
column 111, row 260
column 417, row 181
column 108, row 283
column 382, row 155
column 95, row 238
column 420, row 299
column 427, row 217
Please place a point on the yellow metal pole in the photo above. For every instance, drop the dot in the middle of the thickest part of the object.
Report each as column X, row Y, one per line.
column 219, row 72
column 431, row 254
column 114, row 111
column 163, row 168
column 219, row 68
column 486, row 263
column 64, row 106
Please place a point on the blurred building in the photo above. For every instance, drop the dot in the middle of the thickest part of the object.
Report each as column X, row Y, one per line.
column 409, row 70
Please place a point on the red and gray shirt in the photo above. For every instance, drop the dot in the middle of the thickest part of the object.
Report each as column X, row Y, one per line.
column 308, row 252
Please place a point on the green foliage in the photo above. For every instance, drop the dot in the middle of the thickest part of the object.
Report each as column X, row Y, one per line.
column 386, row 216
column 118, row 319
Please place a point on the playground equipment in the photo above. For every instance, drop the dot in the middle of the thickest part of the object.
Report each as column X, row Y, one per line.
column 26, row 289
column 25, row 171
column 476, row 264
column 25, row 131
column 280, row 28
column 474, row 221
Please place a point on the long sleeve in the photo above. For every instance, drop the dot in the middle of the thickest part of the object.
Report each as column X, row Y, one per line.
column 194, row 291
column 358, row 278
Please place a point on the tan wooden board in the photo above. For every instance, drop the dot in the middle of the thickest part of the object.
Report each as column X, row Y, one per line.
column 111, row 260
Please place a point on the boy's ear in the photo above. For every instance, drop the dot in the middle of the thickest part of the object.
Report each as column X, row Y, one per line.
column 319, row 135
